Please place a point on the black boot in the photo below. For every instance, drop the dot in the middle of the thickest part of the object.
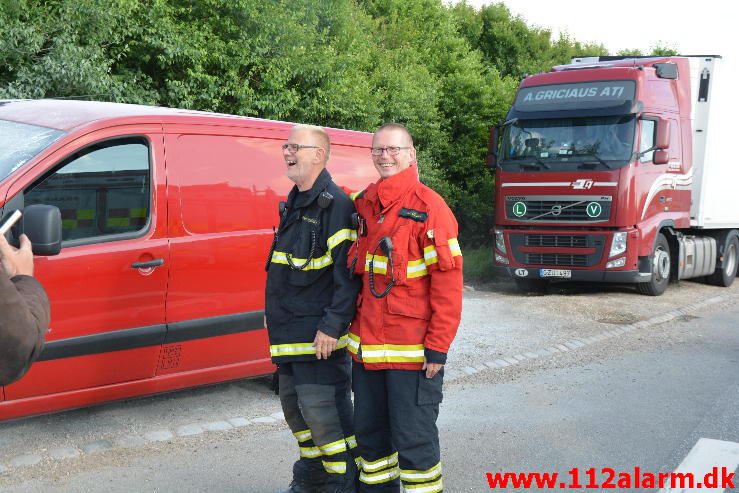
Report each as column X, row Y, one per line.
column 308, row 477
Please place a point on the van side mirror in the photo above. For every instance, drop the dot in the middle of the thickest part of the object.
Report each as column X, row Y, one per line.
column 663, row 134
column 43, row 226
column 492, row 159
column 661, row 156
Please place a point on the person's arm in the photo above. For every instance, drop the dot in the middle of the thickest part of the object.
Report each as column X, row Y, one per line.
column 444, row 263
column 340, row 312
column 24, row 309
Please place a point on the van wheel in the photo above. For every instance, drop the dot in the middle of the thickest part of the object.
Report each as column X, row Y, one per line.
column 531, row 285
column 724, row 275
column 661, row 267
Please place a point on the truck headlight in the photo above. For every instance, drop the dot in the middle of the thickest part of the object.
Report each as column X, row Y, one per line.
column 501, row 259
column 499, row 241
column 616, row 263
column 618, row 244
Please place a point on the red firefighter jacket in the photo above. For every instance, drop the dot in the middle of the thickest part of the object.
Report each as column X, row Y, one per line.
column 419, row 317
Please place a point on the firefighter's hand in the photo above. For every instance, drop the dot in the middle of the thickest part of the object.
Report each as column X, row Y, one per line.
column 16, row 261
column 432, row 369
column 324, row 344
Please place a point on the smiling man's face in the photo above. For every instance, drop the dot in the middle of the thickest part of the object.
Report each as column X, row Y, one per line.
column 303, row 164
column 386, row 164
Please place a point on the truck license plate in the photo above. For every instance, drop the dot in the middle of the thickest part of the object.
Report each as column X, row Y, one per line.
column 564, row 273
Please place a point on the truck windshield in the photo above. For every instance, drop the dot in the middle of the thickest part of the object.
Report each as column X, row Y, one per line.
column 566, row 144
column 19, row 142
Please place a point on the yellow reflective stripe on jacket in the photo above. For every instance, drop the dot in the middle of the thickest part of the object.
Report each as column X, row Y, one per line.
column 379, row 265
column 302, row 348
column 339, row 236
column 414, row 476
column 314, row 264
column 416, row 268
column 334, row 467
column 434, row 487
column 333, row 448
column 454, row 247
column 303, row 436
column 393, row 353
column 310, row 452
column 429, row 255
column 353, row 344
column 354, row 195
column 379, row 464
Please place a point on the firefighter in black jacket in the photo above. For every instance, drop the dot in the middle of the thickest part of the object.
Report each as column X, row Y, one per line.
column 310, row 302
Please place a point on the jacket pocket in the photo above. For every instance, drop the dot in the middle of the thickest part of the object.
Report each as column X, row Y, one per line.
column 409, row 301
column 401, row 245
column 430, row 389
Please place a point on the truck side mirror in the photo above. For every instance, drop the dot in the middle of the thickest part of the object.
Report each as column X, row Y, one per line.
column 492, row 159
column 661, row 156
column 43, row 226
column 663, row 134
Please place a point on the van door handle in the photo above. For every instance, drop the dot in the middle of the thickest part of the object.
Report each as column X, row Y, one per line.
column 149, row 264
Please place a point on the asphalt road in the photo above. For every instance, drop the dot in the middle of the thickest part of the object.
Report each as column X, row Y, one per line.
column 636, row 382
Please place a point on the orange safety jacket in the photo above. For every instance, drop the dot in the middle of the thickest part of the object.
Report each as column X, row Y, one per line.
column 418, row 319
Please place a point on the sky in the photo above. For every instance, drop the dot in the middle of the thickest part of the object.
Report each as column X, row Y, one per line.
column 704, row 27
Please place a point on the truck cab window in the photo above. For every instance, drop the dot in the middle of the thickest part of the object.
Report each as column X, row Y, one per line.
column 102, row 191
column 566, row 144
column 646, row 140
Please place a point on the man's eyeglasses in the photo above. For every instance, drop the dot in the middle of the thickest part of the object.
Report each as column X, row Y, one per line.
column 393, row 151
column 293, row 148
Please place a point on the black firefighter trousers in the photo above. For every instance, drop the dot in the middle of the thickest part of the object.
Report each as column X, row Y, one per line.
column 316, row 401
column 395, row 414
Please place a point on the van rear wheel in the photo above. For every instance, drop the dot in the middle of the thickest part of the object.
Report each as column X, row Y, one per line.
column 725, row 275
column 661, row 267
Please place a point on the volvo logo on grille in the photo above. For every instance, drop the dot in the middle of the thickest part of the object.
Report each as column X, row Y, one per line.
column 556, row 210
column 582, row 184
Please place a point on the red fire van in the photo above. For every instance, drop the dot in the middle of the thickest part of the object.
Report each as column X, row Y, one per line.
column 167, row 220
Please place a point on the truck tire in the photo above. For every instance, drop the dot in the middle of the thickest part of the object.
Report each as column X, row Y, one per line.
column 724, row 275
column 661, row 267
column 531, row 285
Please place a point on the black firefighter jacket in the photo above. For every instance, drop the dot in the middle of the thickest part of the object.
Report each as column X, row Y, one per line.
column 24, row 318
column 308, row 282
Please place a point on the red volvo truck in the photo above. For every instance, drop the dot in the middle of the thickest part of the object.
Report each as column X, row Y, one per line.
column 166, row 223
column 614, row 169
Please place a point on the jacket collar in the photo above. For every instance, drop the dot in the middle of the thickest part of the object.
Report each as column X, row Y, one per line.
column 298, row 200
column 387, row 191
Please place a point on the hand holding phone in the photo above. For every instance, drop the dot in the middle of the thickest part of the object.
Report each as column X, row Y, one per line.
column 14, row 217
column 15, row 261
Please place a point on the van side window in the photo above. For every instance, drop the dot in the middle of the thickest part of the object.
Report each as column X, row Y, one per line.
column 102, row 191
column 646, row 140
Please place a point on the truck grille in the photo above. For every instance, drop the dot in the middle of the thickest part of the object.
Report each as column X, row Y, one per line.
column 545, row 208
column 558, row 259
column 593, row 246
column 566, row 241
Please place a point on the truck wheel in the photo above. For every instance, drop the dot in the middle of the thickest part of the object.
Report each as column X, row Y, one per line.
column 531, row 285
column 661, row 267
column 725, row 275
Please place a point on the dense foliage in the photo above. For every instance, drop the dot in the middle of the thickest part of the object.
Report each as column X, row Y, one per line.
column 447, row 72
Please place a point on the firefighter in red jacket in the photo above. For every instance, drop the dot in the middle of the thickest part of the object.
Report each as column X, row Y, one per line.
column 407, row 316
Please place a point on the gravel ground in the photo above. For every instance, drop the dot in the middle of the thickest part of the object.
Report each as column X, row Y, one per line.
column 497, row 322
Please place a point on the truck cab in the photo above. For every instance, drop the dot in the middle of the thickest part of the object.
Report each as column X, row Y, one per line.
column 596, row 170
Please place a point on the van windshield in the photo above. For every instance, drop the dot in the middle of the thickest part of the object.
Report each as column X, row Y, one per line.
column 20, row 142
